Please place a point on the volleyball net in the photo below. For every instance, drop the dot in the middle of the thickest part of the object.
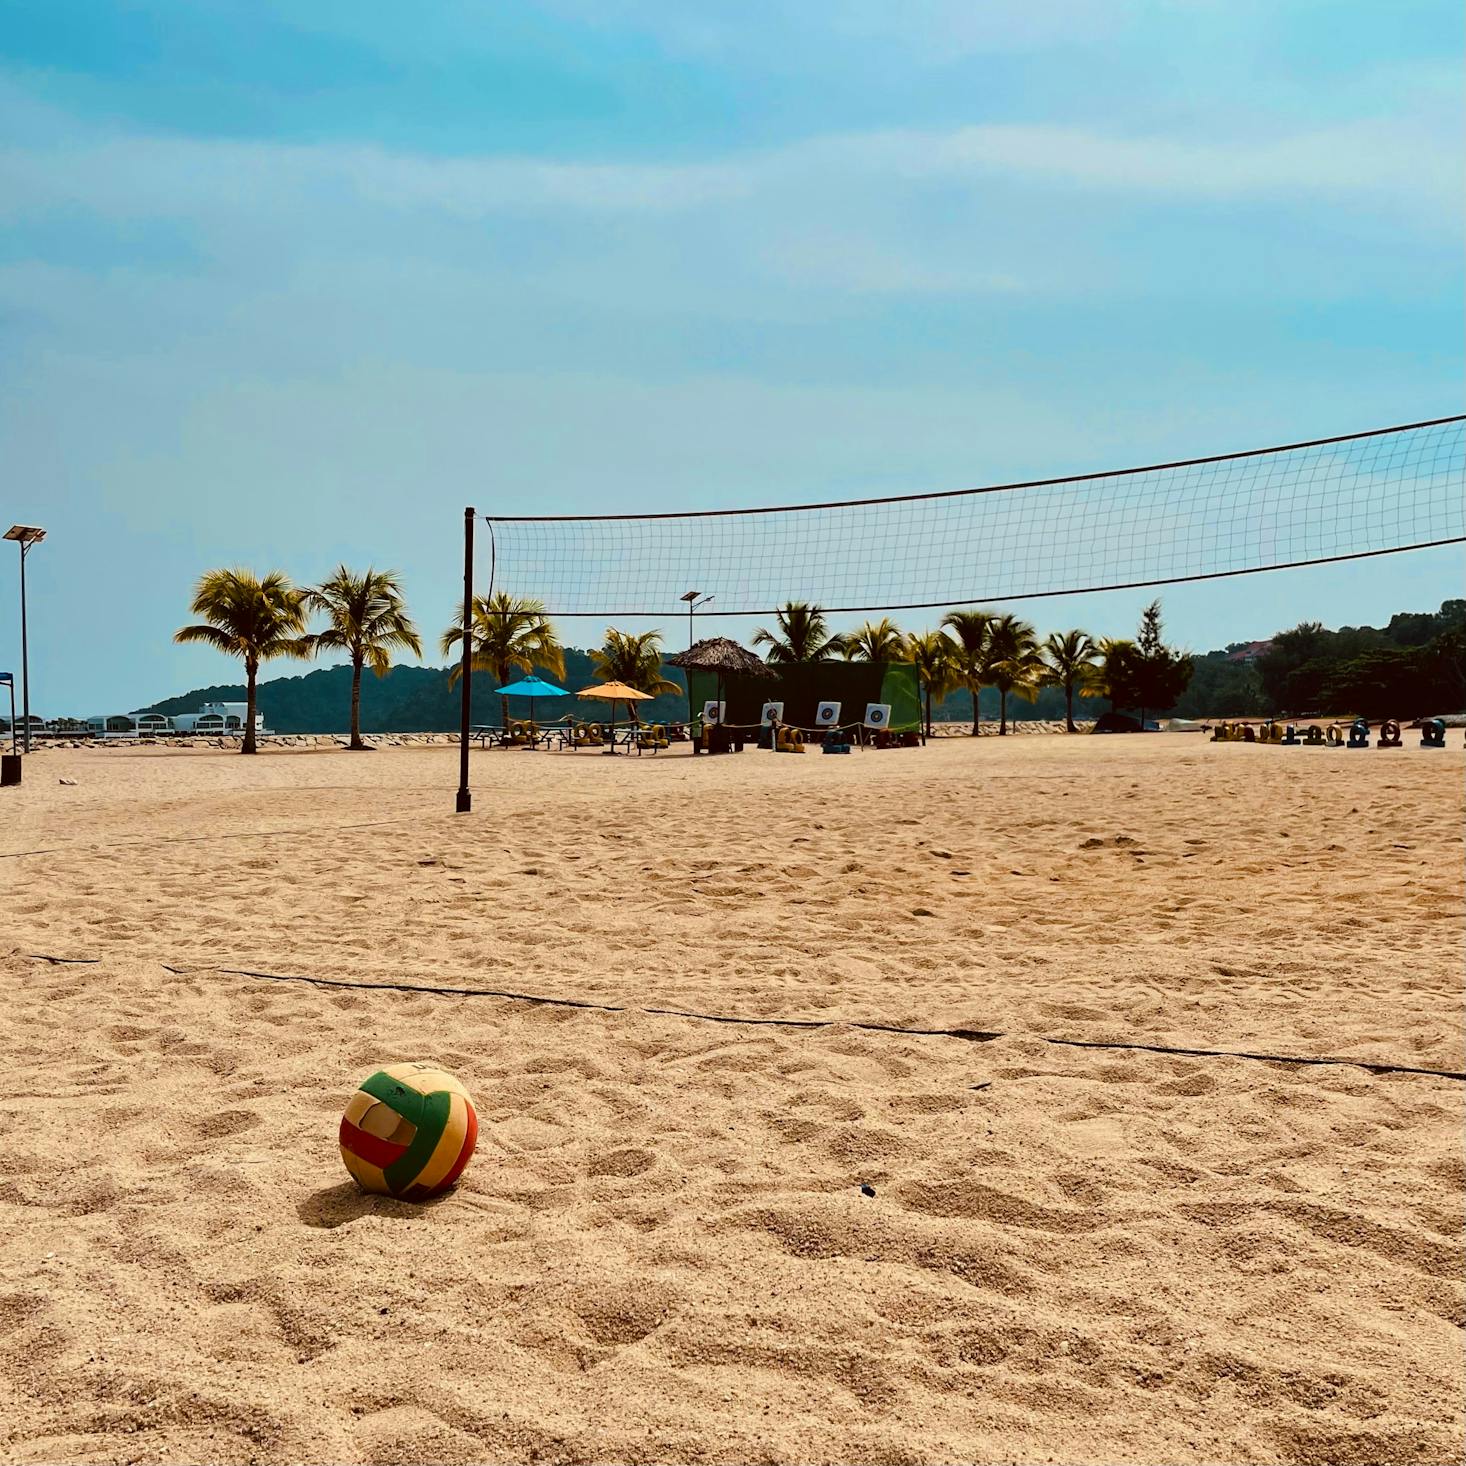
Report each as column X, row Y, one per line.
column 1373, row 493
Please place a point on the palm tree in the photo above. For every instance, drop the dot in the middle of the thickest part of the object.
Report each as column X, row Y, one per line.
column 932, row 654
column 252, row 618
column 634, row 660
column 803, row 635
column 1071, row 658
column 366, row 618
column 969, row 656
column 876, row 641
column 1013, row 662
column 509, row 633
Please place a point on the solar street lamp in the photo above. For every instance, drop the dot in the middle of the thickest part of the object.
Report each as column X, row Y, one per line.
column 25, row 535
column 693, row 604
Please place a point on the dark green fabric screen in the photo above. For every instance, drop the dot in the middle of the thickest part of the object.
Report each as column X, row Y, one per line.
column 801, row 689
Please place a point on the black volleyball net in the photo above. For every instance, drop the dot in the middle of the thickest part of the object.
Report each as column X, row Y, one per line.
column 1372, row 493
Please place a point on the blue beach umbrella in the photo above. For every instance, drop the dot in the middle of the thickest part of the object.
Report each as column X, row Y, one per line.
column 532, row 687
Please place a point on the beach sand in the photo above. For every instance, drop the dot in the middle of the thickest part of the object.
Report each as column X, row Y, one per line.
column 663, row 1250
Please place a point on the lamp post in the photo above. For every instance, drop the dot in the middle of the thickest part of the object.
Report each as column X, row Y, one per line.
column 693, row 604
column 25, row 535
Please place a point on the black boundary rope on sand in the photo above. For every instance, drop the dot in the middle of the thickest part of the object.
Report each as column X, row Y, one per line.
column 968, row 1035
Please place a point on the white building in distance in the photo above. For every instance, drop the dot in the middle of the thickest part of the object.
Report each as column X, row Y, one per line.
column 213, row 719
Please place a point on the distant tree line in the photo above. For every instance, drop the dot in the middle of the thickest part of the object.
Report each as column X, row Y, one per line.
column 973, row 659
column 1414, row 666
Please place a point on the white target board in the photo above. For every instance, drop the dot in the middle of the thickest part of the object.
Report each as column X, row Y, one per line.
column 712, row 712
column 878, row 715
column 773, row 713
column 827, row 714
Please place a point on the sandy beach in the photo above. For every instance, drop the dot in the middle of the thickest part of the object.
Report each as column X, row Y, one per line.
column 839, row 1139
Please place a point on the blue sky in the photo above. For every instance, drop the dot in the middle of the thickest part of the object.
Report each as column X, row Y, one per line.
column 286, row 284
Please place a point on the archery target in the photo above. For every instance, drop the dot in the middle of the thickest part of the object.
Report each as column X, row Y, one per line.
column 827, row 714
column 878, row 715
column 773, row 713
column 712, row 712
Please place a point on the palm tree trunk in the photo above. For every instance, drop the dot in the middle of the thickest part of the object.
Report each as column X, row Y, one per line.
column 1069, row 707
column 928, row 710
column 1002, row 712
column 251, row 668
column 975, row 688
column 356, row 704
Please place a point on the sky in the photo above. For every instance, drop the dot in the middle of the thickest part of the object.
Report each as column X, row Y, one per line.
column 289, row 284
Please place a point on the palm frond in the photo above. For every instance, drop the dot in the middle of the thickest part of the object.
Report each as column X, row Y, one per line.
column 876, row 641
column 803, row 636
column 249, row 616
column 635, row 659
column 506, row 632
column 970, row 628
column 207, row 636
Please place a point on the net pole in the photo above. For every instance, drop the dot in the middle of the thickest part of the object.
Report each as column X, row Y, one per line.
column 465, row 795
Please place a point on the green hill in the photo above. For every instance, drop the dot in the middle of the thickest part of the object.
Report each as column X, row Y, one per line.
column 407, row 700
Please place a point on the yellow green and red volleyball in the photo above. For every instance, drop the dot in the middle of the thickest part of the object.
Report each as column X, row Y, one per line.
column 408, row 1132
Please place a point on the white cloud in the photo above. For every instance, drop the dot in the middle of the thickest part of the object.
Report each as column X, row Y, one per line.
column 1406, row 158
column 1363, row 161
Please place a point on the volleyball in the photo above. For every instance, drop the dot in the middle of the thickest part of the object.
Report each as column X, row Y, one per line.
column 408, row 1132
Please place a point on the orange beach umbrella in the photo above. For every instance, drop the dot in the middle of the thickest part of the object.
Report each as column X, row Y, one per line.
column 614, row 692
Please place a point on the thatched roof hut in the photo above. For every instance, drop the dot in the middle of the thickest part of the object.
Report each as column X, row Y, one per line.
column 722, row 655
